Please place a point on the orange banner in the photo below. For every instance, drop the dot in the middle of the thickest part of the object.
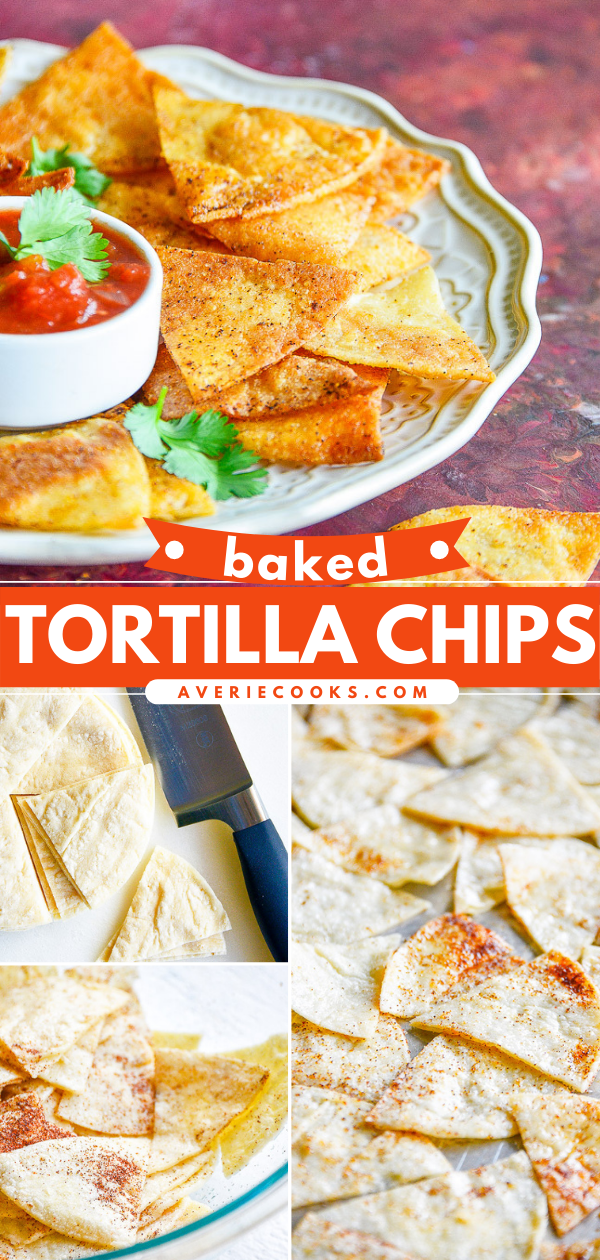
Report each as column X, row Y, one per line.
column 331, row 560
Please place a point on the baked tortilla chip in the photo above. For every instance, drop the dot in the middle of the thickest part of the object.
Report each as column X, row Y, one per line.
column 575, row 737
column 329, row 904
column 521, row 788
column 553, row 889
column 380, row 253
column 386, row 844
column 406, row 327
column 249, row 1132
column 401, row 178
column 577, row 1251
column 329, row 787
column 546, row 1013
column 85, row 477
column 97, row 99
column 459, row 1214
column 479, row 880
column 172, row 906
column 174, row 498
column 363, row 1068
column 445, row 953
column 317, row 1239
column 94, row 741
column 22, row 903
column 166, row 1187
column 335, row 1155
column 52, row 1246
column 377, row 728
column 590, row 961
column 337, row 987
column 23, row 1121
column 455, row 1091
column 227, row 160
column 196, row 1097
column 319, row 231
column 224, row 319
column 562, row 1138
column 175, row 1217
column 26, row 185
column 89, row 1188
column 119, row 1094
column 71, row 1071
column 477, row 720
column 529, row 545
column 151, row 205
column 42, row 1018
column 348, row 432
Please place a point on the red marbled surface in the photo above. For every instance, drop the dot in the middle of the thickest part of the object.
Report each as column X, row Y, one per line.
column 517, row 81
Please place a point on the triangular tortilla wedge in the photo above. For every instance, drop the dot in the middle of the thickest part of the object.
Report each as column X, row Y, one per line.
column 112, row 834
column 479, row 880
column 338, row 987
column 318, row 1239
column 445, row 953
column 379, row 253
column 196, row 1097
column 545, row 1013
column 119, row 1094
column 224, row 319
column 315, row 232
column 330, row 904
column 553, row 889
column 170, row 1183
column 521, row 789
column 328, row 787
column 22, row 903
column 459, row 1214
column 562, row 1138
column 575, row 737
column 453, row 1091
column 406, row 327
column 94, row 741
column 363, row 1068
column 402, row 177
column 72, row 1070
column 61, row 812
column 23, row 1122
column 532, row 545
column 29, row 720
column 86, row 1187
column 227, row 160
column 62, row 897
column 97, row 99
column 41, row 1019
column 386, row 844
column 172, row 907
column 478, row 720
column 150, row 204
column 248, row 1133
column 375, row 728
column 173, row 1217
column 335, row 1155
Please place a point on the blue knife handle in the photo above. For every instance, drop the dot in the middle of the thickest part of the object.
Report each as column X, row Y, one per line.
column 264, row 863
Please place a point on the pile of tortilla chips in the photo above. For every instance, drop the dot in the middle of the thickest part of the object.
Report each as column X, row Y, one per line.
column 106, row 1128
column 288, row 295
column 457, row 1027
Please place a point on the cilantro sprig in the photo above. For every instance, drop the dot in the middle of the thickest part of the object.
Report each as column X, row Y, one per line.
column 57, row 225
column 90, row 183
column 203, row 449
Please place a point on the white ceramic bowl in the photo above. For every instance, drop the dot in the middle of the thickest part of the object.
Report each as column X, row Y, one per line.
column 51, row 378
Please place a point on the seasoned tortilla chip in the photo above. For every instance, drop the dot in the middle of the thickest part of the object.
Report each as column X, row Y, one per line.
column 328, row 787
column 337, row 987
column 546, row 1013
column 363, row 1068
column 87, row 1187
column 479, row 881
column 521, row 788
column 87, row 476
column 377, row 728
column 166, row 1187
column 23, row 1121
column 329, row 904
column 42, row 1018
column 26, row 185
column 446, row 953
column 380, row 253
column 151, row 205
column 174, row 498
column 18, row 1229
column 94, row 741
column 553, row 889
column 320, row 231
column 175, row 1217
column 335, row 1155
column 453, row 1091
column 119, row 1093
column 318, row 1239
column 297, row 381
column 248, row 1133
column 401, row 178
column 575, row 738
column 22, row 903
column 97, row 99
column 562, row 1138
column 577, row 1251
column 196, row 1097
column 529, row 545
column 172, row 906
column 459, row 1214
column 477, row 720
column 52, row 1246
column 227, row 160
column 348, row 432
column 224, row 319
column 386, row 844
column 71, row 1071
column 590, row 961
column 406, row 327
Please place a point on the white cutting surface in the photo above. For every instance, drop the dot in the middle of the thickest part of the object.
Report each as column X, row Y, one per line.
column 261, row 731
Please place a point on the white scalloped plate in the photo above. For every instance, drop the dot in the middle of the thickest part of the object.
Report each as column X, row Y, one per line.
column 487, row 256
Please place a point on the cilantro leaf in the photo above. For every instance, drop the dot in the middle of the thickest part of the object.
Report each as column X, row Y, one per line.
column 57, row 225
column 202, row 449
column 90, row 183
column 49, row 213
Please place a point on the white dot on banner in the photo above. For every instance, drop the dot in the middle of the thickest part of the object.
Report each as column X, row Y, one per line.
column 174, row 550
column 439, row 550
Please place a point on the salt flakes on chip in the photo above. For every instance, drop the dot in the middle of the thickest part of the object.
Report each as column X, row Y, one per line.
column 386, row 844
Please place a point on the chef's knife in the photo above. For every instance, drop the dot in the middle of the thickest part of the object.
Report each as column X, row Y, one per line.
column 203, row 776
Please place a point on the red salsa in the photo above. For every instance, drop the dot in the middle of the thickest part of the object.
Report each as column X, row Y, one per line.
column 34, row 299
